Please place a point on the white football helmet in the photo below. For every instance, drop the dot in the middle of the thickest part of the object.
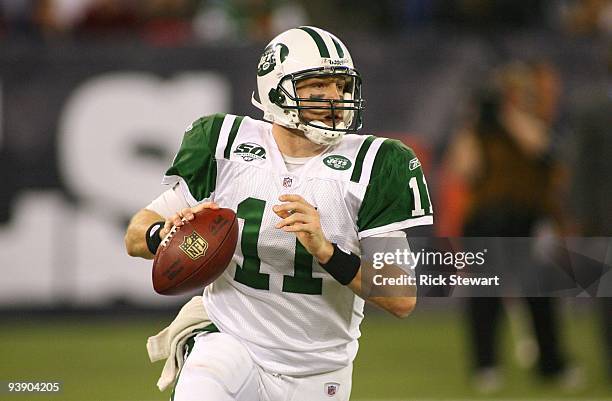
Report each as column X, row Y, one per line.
column 301, row 53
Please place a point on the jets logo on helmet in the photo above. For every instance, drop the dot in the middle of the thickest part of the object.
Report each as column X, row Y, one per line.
column 268, row 58
column 299, row 54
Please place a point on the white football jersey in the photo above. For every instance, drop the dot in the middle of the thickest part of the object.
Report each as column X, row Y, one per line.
column 290, row 313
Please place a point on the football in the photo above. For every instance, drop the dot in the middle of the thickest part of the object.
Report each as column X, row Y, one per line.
column 196, row 253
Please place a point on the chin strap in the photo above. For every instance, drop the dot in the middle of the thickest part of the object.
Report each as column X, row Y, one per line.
column 316, row 135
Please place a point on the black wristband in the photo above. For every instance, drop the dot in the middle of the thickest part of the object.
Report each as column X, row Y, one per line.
column 152, row 236
column 342, row 266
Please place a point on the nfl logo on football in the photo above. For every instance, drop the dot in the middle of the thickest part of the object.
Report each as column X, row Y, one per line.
column 331, row 389
column 194, row 246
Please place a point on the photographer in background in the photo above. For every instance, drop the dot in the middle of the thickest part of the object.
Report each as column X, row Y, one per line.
column 504, row 158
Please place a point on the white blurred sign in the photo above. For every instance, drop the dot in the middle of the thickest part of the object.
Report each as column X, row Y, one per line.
column 53, row 252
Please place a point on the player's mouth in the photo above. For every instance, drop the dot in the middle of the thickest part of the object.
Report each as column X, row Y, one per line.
column 327, row 118
column 331, row 118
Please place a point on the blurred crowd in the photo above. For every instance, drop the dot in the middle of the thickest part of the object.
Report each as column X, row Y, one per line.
column 164, row 22
column 175, row 22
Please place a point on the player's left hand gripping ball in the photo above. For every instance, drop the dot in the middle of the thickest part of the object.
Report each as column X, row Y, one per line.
column 196, row 253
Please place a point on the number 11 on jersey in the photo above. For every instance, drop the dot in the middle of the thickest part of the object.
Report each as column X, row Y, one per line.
column 302, row 282
column 416, row 194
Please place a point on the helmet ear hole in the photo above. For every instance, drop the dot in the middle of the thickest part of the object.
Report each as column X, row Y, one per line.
column 276, row 96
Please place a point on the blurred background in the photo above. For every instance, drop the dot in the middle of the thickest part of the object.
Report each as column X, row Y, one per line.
column 507, row 103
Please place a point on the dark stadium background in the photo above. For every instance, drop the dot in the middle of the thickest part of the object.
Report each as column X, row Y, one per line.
column 93, row 103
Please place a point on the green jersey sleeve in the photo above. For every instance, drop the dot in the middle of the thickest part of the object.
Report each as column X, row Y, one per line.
column 397, row 196
column 194, row 167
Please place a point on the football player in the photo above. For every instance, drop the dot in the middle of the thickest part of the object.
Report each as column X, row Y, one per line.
column 307, row 191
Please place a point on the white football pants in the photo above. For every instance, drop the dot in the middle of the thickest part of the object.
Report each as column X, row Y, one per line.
column 219, row 368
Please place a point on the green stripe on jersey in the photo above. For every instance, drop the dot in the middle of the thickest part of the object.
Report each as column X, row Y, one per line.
column 215, row 131
column 232, row 136
column 195, row 161
column 363, row 150
column 323, row 50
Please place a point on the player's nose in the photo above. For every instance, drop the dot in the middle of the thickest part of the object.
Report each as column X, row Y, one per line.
column 333, row 92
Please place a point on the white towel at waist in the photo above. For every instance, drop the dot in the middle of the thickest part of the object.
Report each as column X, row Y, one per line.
column 170, row 342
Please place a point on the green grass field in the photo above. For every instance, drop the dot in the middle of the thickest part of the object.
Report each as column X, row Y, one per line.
column 420, row 358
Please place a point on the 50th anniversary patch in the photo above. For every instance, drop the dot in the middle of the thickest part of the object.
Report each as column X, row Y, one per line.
column 250, row 151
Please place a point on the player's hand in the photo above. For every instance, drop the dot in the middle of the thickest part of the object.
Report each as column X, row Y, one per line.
column 178, row 219
column 301, row 218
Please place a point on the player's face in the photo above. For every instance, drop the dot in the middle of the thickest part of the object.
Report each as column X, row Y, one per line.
column 331, row 87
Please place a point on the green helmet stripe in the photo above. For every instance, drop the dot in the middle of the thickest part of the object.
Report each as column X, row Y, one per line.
column 323, row 50
column 360, row 158
column 231, row 137
column 338, row 46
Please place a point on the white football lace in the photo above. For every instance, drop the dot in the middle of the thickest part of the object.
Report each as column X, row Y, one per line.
column 168, row 236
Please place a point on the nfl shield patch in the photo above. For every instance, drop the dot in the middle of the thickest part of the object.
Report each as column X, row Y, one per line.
column 287, row 182
column 194, row 245
column 331, row 389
